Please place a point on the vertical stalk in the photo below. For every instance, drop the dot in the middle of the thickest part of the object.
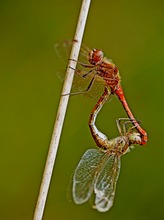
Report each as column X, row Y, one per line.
column 38, row 214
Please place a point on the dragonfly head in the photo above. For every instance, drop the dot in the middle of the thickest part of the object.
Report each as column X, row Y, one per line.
column 134, row 138
column 95, row 56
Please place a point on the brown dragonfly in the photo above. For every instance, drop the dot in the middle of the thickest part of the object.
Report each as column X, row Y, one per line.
column 98, row 170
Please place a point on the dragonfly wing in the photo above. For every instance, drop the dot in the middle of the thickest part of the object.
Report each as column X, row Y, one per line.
column 80, row 84
column 85, row 175
column 105, row 186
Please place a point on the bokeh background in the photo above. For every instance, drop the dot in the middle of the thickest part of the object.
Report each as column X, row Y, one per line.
column 131, row 33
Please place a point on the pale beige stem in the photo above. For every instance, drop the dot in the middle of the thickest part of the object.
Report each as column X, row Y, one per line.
column 38, row 214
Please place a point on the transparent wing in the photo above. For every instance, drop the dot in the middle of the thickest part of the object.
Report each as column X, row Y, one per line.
column 79, row 84
column 85, row 175
column 106, row 184
column 63, row 50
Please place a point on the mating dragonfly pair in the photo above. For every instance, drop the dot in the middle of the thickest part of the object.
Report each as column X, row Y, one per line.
column 98, row 169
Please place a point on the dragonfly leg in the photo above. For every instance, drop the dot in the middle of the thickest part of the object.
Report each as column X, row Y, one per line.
column 118, row 122
column 120, row 94
column 125, row 126
column 82, row 76
column 100, row 139
column 124, row 130
column 85, row 91
column 83, row 64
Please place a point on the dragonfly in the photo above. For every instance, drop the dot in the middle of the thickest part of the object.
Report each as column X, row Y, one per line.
column 105, row 69
column 98, row 170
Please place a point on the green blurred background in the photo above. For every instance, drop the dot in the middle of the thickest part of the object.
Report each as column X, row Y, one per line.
column 131, row 33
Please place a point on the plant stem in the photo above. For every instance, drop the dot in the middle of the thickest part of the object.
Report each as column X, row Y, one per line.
column 38, row 214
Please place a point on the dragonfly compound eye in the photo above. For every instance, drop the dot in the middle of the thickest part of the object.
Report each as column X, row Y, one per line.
column 135, row 138
column 95, row 56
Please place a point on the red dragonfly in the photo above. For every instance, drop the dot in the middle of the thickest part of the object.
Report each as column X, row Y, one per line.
column 105, row 69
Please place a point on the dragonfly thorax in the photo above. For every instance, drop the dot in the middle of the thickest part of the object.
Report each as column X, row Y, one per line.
column 117, row 145
column 96, row 56
column 121, row 145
